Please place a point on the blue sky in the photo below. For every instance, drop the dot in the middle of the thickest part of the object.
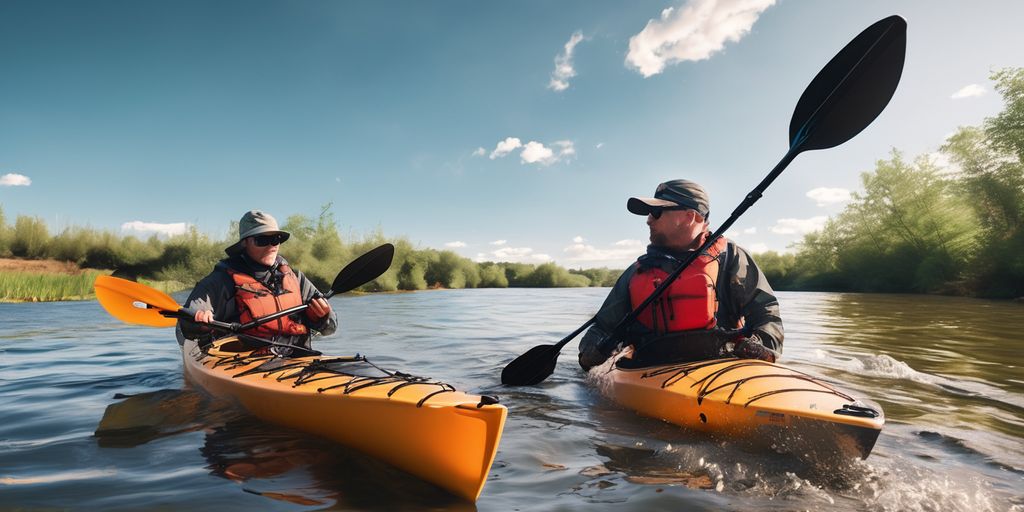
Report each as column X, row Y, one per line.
column 501, row 130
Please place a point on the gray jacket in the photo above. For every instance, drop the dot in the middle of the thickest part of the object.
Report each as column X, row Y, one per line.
column 216, row 292
column 743, row 293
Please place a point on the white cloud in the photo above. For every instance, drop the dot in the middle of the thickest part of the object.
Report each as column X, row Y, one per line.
column 499, row 242
column 733, row 234
column 825, row 196
column 479, row 152
column 693, row 32
column 537, row 153
column 630, row 243
column 505, row 147
column 757, row 248
column 534, row 152
column 620, row 254
column 798, row 226
column 969, row 91
column 15, row 180
column 455, row 245
column 514, row 255
column 599, row 145
column 563, row 65
column 138, row 226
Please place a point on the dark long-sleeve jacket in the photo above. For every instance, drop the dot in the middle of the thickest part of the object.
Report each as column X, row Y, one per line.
column 216, row 292
column 742, row 289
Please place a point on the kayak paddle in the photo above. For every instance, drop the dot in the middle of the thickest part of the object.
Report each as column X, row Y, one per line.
column 843, row 99
column 137, row 303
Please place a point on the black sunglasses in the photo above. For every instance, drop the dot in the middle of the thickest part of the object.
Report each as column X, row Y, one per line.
column 265, row 240
column 655, row 211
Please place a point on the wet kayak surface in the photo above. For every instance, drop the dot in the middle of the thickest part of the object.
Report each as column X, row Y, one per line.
column 945, row 370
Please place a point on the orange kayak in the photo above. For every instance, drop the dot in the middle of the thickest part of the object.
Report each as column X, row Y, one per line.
column 758, row 404
column 418, row 425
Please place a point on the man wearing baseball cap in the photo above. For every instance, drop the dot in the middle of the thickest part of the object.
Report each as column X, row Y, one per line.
column 255, row 281
column 720, row 305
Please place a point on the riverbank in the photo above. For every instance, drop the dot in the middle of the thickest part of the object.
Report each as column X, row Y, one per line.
column 50, row 281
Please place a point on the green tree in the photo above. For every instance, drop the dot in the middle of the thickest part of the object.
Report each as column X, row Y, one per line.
column 29, row 238
column 992, row 179
column 4, row 243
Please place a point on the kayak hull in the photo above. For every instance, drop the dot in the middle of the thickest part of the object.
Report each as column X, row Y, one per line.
column 420, row 426
column 760, row 405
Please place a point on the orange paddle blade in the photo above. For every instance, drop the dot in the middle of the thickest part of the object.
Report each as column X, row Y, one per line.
column 134, row 303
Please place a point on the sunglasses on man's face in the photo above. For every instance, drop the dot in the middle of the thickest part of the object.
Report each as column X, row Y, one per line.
column 265, row 240
column 656, row 211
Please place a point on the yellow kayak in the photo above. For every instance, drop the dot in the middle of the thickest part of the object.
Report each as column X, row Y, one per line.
column 756, row 403
column 419, row 425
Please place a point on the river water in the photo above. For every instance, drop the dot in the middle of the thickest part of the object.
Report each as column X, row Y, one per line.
column 947, row 372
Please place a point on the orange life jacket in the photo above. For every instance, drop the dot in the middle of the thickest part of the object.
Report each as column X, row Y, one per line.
column 255, row 300
column 690, row 302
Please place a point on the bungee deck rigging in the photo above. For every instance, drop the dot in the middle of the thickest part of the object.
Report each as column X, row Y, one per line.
column 354, row 368
column 705, row 383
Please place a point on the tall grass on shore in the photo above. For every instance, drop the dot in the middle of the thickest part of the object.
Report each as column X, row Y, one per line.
column 48, row 287
column 42, row 287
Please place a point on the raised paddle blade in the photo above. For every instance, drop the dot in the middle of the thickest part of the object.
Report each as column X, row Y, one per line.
column 364, row 269
column 531, row 368
column 852, row 89
column 134, row 303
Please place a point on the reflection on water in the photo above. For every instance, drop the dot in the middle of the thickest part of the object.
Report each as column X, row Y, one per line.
column 97, row 415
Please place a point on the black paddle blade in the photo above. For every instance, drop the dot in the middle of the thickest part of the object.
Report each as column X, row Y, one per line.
column 852, row 89
column 364, row 269
column 531, row 368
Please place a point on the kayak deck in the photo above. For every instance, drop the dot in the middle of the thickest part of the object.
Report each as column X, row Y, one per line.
column 760, row 404
column 422, row 426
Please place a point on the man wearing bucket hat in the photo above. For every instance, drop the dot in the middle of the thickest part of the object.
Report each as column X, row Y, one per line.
column 255, row 281
column 720, row 305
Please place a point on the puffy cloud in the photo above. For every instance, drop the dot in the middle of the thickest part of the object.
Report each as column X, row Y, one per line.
column 620, row 254
column 969, row 91
column 138, row 226
column 693, row 32
column 563, row 64
column 733, row 234
column 825, row 196
column 15, row 180
column 798, row 226
column 455, row 245
column 514, row 255
column 499, row 242
column 757, row 248
column 505, row 147
column 535, row 152
column 479, row 152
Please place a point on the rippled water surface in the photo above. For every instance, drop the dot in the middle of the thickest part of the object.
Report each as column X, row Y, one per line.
column 947, row 372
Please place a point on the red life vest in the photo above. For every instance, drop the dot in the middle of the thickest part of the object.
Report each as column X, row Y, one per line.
column 690, row 302
column 255, row 300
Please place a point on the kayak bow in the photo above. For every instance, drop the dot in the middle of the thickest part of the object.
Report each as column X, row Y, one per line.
column 419, row 425
column 759, row 404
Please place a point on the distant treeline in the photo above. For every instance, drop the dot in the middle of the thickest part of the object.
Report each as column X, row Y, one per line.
column 316, row 248
column 928, row 228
